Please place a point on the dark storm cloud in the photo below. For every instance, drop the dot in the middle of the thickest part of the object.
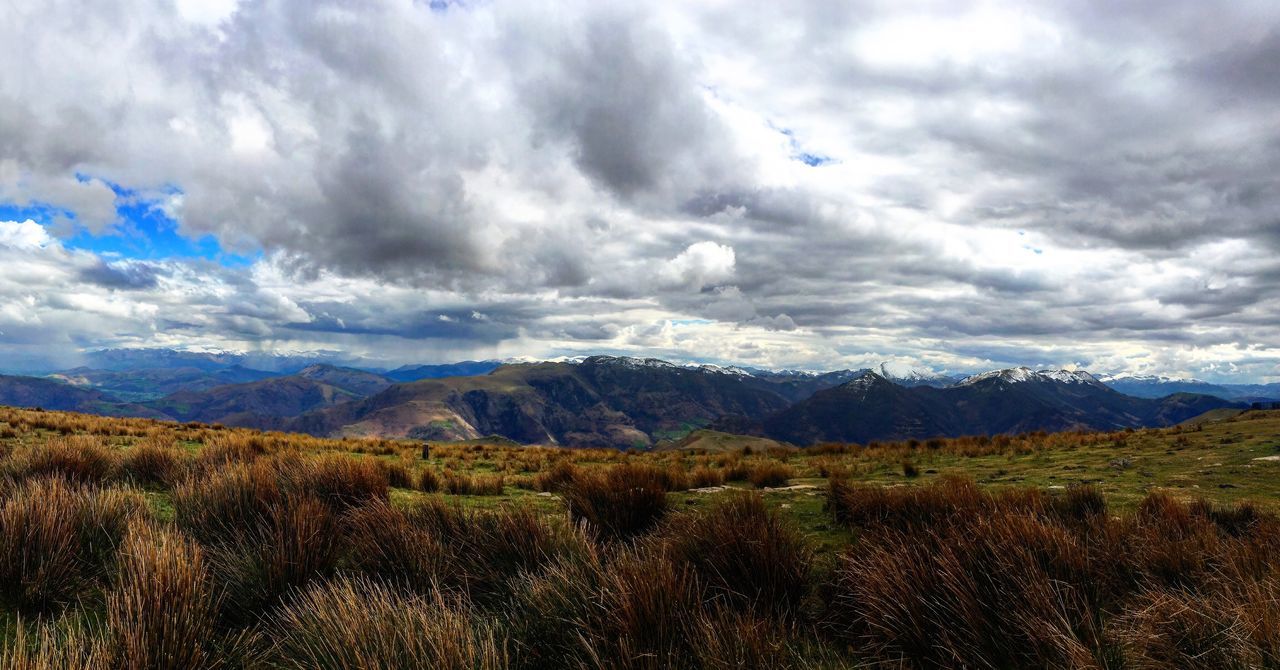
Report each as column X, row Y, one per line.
column 120, row 275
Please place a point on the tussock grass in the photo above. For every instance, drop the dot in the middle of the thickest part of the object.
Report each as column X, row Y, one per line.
column 56, row 537
column 358, row 623
column 162, row 610
column 620, row 503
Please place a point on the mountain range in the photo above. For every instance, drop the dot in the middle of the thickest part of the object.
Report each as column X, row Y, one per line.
column 606, row 400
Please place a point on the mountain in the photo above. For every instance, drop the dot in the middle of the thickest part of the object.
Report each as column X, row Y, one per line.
column 909, row 376
column 412, row 373
column 1152, row 386
column 358, row 382
column 51, row 394
column 138, row 359
column 266, row 404
column 140, row 385
column 1002, row 401
column 600, row 401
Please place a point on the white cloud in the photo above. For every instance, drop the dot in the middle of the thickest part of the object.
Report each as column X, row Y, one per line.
column 1007, row 182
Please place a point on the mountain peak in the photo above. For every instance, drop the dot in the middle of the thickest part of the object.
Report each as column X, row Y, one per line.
column 1025, row 374
column 1010, row 375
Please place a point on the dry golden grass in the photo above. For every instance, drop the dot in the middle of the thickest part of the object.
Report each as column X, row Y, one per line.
column 142, row 544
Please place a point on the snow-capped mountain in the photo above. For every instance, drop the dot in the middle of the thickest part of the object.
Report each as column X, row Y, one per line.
column 1026, row 374
column 905, row 374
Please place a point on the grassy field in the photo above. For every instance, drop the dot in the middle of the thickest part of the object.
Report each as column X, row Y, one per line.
column 139, row 544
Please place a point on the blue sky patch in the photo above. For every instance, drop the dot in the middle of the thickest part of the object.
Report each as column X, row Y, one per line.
column 142, row 231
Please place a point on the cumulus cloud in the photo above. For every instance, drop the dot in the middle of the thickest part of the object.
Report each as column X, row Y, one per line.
column 960, row 184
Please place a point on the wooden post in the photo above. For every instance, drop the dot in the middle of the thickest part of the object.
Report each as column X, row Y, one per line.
column 426, row 450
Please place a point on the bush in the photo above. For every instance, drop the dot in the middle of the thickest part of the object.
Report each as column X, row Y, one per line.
column 623, row 502
column 358, row 623
column 429, row 481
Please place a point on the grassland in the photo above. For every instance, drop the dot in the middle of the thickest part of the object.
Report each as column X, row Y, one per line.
column 140, row 544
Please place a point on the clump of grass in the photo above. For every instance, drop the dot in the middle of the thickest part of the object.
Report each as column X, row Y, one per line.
column 620, row 503
column 55, row 537
column 162, row 611
column 770, row 474
column 746, row 554
column 634, row 610
column 458, row 483
column 358, row 623
column 81, row 459
column 397, row 546
column 1007, row 591
column 703, row 477
column 557, row 477
column 55, row 645
column 294, row 542
column 399, row 475
column 429, row 481
column 155, row 462
column 339, row 481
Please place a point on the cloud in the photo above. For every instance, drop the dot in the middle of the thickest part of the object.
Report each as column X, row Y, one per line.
column 1080, row 182
column 702, row 264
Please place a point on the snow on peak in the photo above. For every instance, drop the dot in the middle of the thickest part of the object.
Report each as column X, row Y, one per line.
column 724, row 370
column 1012, row 375
column 1070, row 376
column 904, row 371
column 1026, row 374
column 1149, row 379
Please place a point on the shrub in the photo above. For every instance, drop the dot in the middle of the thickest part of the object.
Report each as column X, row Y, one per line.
column 625, row 501
column 358, row 623
column 746, row 554
column 161, row 613
column 770, row 474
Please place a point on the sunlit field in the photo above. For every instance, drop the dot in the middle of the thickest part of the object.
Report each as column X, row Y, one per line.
column 138, row 544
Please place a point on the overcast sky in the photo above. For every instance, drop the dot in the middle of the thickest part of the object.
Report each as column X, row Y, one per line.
column 780, row 184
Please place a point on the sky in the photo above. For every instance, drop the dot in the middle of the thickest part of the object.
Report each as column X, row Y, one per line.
column 809, row 184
